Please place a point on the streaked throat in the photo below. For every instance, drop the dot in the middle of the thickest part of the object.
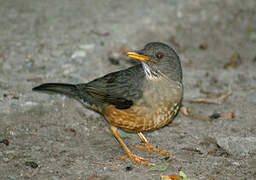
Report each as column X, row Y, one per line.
column 152, row 73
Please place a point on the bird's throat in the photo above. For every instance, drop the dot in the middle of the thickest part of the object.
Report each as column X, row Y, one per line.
column 151, row 72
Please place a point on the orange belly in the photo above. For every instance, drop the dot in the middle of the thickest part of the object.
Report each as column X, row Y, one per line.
column 139, row 118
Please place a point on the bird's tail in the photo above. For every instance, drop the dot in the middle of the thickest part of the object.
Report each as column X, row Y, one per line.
column 67, row 89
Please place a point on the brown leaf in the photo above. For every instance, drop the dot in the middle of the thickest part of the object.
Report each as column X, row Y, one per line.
column 172, row 176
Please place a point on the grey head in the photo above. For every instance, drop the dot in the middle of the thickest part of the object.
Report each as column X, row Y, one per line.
column 159, row 60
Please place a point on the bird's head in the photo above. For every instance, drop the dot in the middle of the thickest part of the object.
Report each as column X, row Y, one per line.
column 158, row 60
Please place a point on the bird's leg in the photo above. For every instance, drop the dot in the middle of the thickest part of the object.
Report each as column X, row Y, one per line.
column 148, row 146
column 134, row 158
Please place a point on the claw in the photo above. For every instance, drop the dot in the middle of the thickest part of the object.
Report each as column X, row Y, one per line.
column 148, row 146
column 135, row 158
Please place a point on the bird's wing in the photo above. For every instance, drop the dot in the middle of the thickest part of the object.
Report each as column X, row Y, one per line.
column 119, row 88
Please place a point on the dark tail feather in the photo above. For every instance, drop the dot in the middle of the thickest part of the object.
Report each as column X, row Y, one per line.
column 67, row 89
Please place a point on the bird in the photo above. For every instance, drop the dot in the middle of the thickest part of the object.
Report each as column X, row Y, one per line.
column 141, row 98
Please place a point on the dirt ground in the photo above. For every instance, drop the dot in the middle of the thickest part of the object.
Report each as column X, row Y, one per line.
column 77, row 41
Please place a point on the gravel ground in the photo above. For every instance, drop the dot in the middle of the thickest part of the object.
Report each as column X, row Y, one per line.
column 77, row 41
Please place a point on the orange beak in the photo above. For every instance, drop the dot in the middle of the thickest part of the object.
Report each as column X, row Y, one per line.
column 138, row 56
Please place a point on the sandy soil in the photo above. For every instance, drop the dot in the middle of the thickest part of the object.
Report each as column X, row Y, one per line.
column 72, row 41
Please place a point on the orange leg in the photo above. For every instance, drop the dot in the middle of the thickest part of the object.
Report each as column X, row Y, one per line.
column 134, row 158
column 148, row 146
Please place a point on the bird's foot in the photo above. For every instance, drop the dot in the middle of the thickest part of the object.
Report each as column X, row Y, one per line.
column 151, row 148
column 135, row 158
column 148, row 146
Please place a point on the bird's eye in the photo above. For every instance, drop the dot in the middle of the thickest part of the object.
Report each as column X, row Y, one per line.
column 159, row 55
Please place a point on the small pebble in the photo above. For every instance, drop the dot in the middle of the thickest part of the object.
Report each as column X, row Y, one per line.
column 6, row 159
column 87, row 46
column 113, row 61
column 215, row 116
column 78, row 54
column 30, row 103
column 31, row 164
column 11, row 156
column 203, row 46
column 252, row 35
column 234, row 61
column 5, row 141
column 166, row 158
column 254, row 59
column 11, row 177
column 128, row 168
